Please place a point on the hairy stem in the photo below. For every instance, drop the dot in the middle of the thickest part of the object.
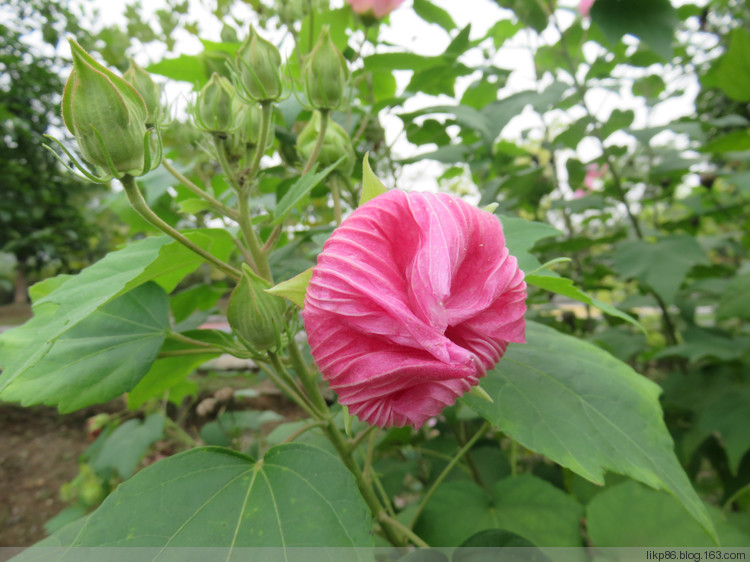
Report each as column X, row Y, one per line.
column 215, row 203
column 141, row 207
column 439, row 480
column 318, row 142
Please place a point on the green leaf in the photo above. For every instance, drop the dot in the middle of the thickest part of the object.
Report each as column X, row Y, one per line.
column 400, row 61
column 652, row 21
column 662, row 266
column 163, row 375
column 618, row 120
column 729, row 416
column 297, row 495
column 734, row 141
column 185, row 68
column 194, row 205
column 293, row 289
column 299, row 189
column 525, row 505
column 629, row 514
column 734, row 301
column 731, row 72
column 100, row 358
column 564, row 286
column 584, row 409
column 40, row 290
column 431, row 13
column 465, row 116
column 701, row 343
column 126, row 445
column 232, row 425
column 159, row 258
column 520, row 237
column 371, row 184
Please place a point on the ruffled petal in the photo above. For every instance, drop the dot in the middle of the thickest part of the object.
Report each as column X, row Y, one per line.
column 413, row 299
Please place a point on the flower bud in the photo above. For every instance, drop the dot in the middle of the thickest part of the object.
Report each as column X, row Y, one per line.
column 149, row 90
column 325, row 73
column 219, row 62
column 106, row 115
column 259, row 69
column 255, row 315
column 217, row 108
column 336, row 143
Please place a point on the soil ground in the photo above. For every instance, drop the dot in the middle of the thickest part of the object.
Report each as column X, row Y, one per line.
column 39, row 452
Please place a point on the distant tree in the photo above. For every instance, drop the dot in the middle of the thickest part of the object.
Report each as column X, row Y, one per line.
column 43, row 215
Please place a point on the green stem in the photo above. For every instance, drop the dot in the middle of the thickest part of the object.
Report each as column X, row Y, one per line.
column 411, row 535
column 259, row 259
column 221, row 154
column 308, row 379
column 141, row 207
column 336, row 194
column 304, row 429
column 469, row 444
column 364, row 485
column 180, row 434
column 266, row 111
column 370, row 473
column 184, row 339
column 513, row 457
column 292, row 391
column 318, row 142
column 215, row 203
column 179, row 352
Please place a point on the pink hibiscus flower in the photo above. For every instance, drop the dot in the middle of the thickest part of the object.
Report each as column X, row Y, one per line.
column 414, row 298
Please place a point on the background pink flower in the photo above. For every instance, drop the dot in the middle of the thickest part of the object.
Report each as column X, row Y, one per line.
column 380, row 8
column 584, row 7
column 413, row 299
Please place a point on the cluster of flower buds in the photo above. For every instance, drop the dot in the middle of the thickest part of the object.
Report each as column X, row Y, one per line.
column 110, row 118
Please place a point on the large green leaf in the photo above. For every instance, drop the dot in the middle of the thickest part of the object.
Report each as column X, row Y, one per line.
column 520, row 237
column 297, row 495
column 652, row 21
column 159, row 258
column 584, row 409
column 661, row 266
column 101, row 357
column 731, row 72
column 525, row 505
column 729, row 416
column 734, row 301
column 630, row 514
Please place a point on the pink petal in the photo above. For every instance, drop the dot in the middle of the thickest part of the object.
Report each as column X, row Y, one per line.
column 584, row 7
column 413, row 299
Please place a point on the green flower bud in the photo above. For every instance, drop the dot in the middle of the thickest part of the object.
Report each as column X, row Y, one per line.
column 255, row 315
column 216, row 61
column 106, row 115
column 325, row 73
column 149, row 90
column 336, row 143
column 217, row 108
column 259, row 69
